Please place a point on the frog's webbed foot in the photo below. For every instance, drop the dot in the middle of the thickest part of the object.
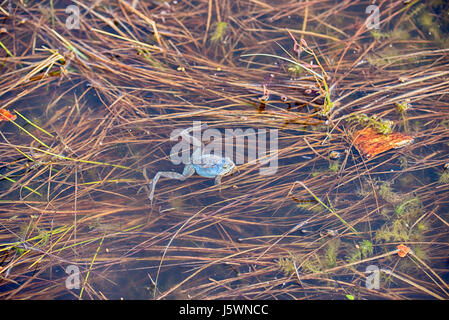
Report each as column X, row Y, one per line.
column 165, row 174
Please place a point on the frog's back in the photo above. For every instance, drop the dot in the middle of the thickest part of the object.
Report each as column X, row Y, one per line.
column 210, row 166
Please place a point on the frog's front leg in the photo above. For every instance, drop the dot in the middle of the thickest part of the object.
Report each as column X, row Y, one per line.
column 217, row 180
column 188, row 171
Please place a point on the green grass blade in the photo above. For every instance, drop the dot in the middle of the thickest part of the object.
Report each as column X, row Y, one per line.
column 30, row 134
column 14, row 181
column 324, row 205
column 90, row 267
column 6, row 49
column 83, row 161
column 110, row 181
column 34, row 125
column 286, row 59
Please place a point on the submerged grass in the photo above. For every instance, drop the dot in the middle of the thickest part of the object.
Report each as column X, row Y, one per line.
column 97, row 106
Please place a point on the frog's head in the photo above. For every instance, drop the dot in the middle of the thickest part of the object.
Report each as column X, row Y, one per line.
column 227, row 167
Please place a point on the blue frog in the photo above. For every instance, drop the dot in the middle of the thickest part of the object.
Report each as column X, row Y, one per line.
column 205, row 165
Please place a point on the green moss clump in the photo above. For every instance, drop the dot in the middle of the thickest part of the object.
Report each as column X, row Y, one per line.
column 313, row 264
column 400, row 34
column 407, row 210
column 382, row 126
column 287, row 265
column 325, row 258
column 354, row 255
column 361, row 251
column 407, row 265
column 383, row 57
column 386, row 192
column 421, row 252
column 334, row 166
column 332, row 253
column 402, row 106
column 422, row 226
column 19, row 251
column 444, row 177
column 219, row 31
column 409, row 206
column 415, row 11
column 429, row 24
column 294, row 70
column 44, row 236
column 445, row 123
column 397, row 231
column 377, row 35
column 397, row 34
column 317, row 172
column 366, row 248
column 425, row 19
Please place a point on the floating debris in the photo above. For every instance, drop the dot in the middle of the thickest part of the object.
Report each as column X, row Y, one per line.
column 403, row 250
column 371, row 143
column 329, row 232
column 403, row 106
column 334, row 155
column 5, row 115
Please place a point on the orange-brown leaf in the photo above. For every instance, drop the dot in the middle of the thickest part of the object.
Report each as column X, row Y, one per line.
column 403, row 250
column 371, row 143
